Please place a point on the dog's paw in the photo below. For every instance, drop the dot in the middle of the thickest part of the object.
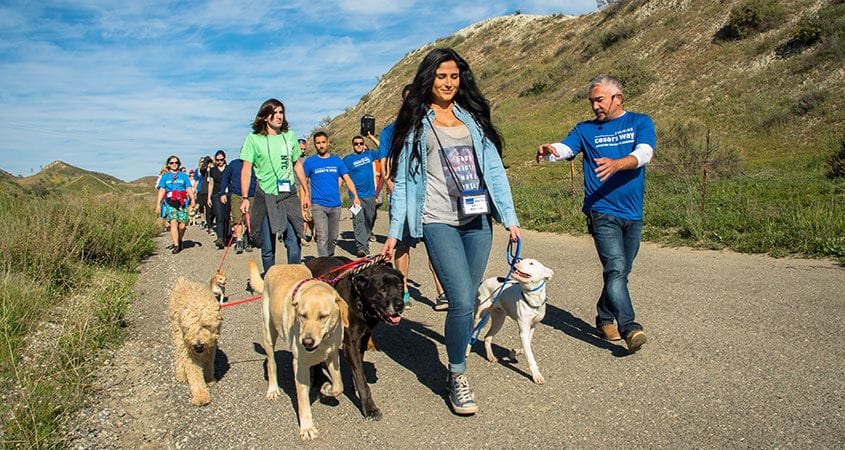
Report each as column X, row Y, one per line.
column 372, row 413
column 329, row 390
column 491, row 357
column 201, row 399
column 274, row 393
column 307, row 434
column 538, row 378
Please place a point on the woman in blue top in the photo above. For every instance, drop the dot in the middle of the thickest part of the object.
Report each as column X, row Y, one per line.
column 448, row 182
column 174, row 191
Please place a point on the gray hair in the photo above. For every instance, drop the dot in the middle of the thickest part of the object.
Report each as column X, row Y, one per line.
column 605, row 80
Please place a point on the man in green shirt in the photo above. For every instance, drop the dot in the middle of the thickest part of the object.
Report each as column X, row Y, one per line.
column 274, row 153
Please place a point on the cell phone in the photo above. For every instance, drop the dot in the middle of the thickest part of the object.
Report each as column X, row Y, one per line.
column 368, row 125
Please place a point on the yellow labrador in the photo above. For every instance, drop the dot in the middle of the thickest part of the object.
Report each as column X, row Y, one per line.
column 310, row 316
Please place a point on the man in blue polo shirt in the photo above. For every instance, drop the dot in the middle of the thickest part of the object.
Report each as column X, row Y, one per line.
column 324, row 172
column 617, row 145
column 360, row 166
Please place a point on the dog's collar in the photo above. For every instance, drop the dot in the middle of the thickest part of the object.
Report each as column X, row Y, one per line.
column 298, row 286
column 545, row 300
column 538, row 287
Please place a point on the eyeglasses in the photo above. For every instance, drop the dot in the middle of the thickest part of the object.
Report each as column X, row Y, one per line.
column 173, row 162
column 357, row 143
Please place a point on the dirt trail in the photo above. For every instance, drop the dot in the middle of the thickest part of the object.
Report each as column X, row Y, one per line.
column 743, row 350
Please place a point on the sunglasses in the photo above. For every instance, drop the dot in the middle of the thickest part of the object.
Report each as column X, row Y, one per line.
column 357, row 143
column 173, row 162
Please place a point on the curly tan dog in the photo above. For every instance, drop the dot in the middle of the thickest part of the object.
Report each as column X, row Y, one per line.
column 195, row 327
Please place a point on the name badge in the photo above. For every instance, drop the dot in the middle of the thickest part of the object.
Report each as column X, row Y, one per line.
column 474, row 202
column 283, row 185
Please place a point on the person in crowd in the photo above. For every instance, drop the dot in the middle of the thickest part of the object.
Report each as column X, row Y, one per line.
column 324, row 172
column 307, row 220
column 359, row 164
column 206, row 164
column 616, row 146
column 219, row 208
column 174, row 190
column 402, row 251
column 231, row 189
column 449, row 182
column 271, row 149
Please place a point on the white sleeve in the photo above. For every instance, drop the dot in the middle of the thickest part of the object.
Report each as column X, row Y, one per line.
column 643, row 153
column 564, row 151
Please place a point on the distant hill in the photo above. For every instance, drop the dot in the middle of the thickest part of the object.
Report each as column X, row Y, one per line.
column 6, row 175
column 752, row 93
column 59, row 176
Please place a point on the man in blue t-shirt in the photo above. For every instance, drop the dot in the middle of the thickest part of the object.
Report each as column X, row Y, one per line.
column 324, row 172
column 360, row 166
column 617, row 145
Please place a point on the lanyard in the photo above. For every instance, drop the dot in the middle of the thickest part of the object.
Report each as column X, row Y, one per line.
column 269, row 158
column 449, row 164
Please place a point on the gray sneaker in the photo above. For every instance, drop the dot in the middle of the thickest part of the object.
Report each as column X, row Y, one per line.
column 441, row 303
column 460, row 395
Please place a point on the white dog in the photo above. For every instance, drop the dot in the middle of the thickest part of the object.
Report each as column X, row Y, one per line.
column 523, row 299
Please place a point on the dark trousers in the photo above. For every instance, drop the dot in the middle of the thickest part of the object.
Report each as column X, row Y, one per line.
column 221, row 216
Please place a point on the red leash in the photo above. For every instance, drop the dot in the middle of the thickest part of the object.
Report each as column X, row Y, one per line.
column 246, row 300
column 228, row 245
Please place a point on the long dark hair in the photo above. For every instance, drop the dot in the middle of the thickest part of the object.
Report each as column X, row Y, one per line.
column 259, row 125
column 416, row 106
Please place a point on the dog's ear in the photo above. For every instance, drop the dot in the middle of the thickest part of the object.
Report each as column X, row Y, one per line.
column 549, row 274
column 344, row 310
column 359, row 284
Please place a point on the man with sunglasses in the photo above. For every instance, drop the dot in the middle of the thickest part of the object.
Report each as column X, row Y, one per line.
column 360, row 166
column 219, row 209
column 617, row 145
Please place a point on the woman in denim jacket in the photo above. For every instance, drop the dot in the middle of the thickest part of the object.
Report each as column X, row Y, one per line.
column 449, row 181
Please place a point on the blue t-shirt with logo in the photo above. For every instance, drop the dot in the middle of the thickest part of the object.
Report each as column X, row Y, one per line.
column 324, row 174
column 360, row 166
column 173, row 182
column 621, row 195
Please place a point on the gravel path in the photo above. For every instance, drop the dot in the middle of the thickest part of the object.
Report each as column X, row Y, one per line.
column 743, row 350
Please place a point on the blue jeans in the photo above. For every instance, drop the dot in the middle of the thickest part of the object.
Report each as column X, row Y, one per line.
column 268, row 246
column 459, row 256
column 617, row 243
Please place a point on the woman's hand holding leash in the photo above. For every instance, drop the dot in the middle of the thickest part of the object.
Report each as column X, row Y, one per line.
column 515, row 232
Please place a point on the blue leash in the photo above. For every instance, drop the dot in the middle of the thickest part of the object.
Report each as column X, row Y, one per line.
column 512, row 257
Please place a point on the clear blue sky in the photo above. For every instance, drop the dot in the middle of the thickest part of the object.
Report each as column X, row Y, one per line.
column 116, row 87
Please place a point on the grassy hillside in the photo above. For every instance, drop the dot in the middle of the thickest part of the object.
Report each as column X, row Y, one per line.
column 764, row 82
column 60, row 177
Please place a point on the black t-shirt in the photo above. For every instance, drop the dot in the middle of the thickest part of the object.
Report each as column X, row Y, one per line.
column 216, row 175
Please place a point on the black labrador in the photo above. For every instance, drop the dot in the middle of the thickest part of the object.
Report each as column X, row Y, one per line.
column 374, row 295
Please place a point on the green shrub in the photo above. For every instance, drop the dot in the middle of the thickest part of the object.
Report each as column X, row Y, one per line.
column 635, row 75
column 836, row 163
column 751, row 17
column 808, row 32
column 683, row 151
column 615, row 34
column 809, row 101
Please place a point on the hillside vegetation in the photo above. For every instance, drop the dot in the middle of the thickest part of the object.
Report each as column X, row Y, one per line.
column 62, row 177
column 749, row 92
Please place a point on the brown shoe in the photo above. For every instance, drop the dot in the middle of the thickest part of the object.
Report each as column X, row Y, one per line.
column 609, row 332
column 635, row 340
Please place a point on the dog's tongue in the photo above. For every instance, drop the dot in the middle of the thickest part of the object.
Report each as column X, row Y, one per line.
column 394, row 320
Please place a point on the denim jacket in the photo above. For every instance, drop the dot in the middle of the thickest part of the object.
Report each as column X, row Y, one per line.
column 408, row 198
